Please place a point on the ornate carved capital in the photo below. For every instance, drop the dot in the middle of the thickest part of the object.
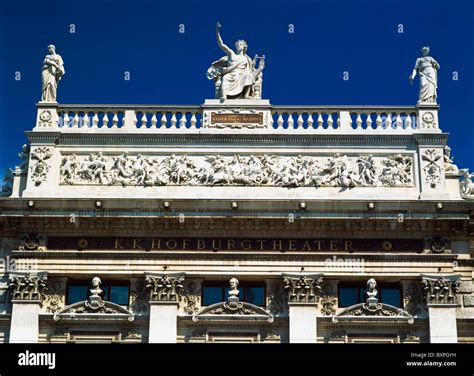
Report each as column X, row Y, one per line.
column 439, row 289
column 302, row 288
column 165, row 287
column 27, row 286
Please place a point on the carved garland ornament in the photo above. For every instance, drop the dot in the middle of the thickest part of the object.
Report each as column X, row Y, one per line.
column 328, row 301
column 432, row 169
column 254, row 170
column 53, row 297
column 40, row 168
column 45, row 119
column 276, row 300
column 413, row 300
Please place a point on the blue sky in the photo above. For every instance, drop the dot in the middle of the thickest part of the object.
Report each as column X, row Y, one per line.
column 304, row 67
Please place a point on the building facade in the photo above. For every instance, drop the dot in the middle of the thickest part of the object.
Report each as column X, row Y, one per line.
column 237, row 221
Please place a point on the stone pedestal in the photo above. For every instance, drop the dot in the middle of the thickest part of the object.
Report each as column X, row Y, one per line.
column 163, row 322
column 303, row 291
column 26, row 292
column 440, row 293
column 443, row 327
column 303, row 324
column 24, row 326
column 164, row 292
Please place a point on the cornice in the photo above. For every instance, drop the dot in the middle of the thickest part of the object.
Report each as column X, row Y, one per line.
column 227, row 256
column 186, row 139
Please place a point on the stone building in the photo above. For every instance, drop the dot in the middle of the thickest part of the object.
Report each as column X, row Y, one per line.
column 237, row 221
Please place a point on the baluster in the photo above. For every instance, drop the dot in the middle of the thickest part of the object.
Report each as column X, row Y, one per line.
column 388, row 122
column 408, row 122
column 66, row 120
column 368, row 121
column 193, row 120
column 154, row 120
column 378, row 121
column 135, row 120
column 280, row 121
column 182, row 121
column 398, row 121
column 300, row 121
column 95, row 120
column 320, row 120
column 330, row 121
column 310, row 120
column 359, row 121
column 105, row 120
column 271, row 121
column 115, row 120
column 144, row 120
column 173, row 120
column 86, row 120
column 164, row 120
column 75, row 120
column 291, row 122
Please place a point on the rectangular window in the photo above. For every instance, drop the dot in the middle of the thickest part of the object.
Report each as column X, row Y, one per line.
column 354, row 293
column 212, row 295
column 77, row 293
column 391, row 295
column 116, row 292
column 217, row 292
column 119, row 294
column 348, row 296
column 255, row 295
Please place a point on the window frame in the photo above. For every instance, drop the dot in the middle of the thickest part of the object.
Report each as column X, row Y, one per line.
column 363, row 285
column 242, row 286
column 108, row 283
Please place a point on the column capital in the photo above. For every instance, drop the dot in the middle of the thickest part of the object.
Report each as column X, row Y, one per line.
column 302, row 289
column 27, row 286
column 164, row 287
column 440, row 290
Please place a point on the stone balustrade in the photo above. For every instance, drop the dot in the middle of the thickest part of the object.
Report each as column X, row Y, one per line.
column 345, row 117
column 130, row 117
column 275, row 119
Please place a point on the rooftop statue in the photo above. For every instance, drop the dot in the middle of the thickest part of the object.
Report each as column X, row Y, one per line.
column 51, row 73
column 427, row 67
column 236, row 75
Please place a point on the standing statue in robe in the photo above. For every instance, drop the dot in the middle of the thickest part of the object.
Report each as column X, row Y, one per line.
column 236, row 75
column 51, row 73
column 427, row 67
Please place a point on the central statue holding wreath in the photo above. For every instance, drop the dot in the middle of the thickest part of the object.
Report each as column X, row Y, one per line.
column 236, row 75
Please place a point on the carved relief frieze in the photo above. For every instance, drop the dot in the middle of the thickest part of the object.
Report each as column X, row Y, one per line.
column 254, row 170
